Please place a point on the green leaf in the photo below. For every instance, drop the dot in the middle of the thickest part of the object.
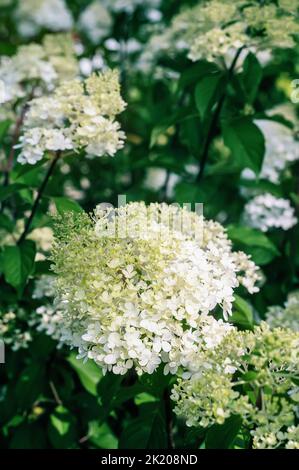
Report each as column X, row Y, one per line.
column 207, row 93
column 127, row 393
column 246, row 142
column 28, row 252
column 242, row 313
column 191, row 135
column 163, row 125
column 12, row 265
column 249, row 376
column 157, row 131
column 194, row 73
column 18, row 263
column 223, row 436
column 63, row 204
column 6, row 223
column 148, row 431
column 254, row 243
column 108, row 392
column 251, row 77
column 28, row 436
column 62, row 428
column 9, row 190
column 102, row 435
column 143, row 397
column 27, row 173
column 29, row 385
column 41, row 347
column 260, row 256
column 155, row 384
column 89, row 373
column 4, row 126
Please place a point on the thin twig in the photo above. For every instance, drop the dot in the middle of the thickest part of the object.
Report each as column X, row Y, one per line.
column 15, row 138
column 38, row 197
column 55, row 393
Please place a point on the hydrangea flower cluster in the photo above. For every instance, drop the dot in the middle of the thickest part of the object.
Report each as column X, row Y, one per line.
column 34, row 15
column 265, row 362
column 37, row 66
column 18, row 327
column 140, row 281
column 282, row 149
column 76, row 115
column 287, row 316
column 48, row 317
column 213, row 29
column 267, row 212
column 14, row 330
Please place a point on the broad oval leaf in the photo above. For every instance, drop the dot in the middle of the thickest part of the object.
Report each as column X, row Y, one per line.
column 246, row 142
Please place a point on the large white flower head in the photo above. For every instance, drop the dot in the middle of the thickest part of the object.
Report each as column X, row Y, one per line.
column 76, row 115
column 37, row 67
column 267, row 212
column 140, row 281
column 259, row 385
column 287, row 316
column 34, row 15
column 214, row 29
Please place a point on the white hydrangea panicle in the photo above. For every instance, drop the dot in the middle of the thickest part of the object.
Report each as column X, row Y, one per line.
column 139, row 283
column 215, row 30
column 262, row 359
column 38, row 67
column 76, row 115
column 34, row 15
column 267, row 212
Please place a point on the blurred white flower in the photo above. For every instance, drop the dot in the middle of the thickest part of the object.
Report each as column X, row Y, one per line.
column 34, row 15
column 154, row 15
column 282, row 149
column 157, row 178
column 267, row 212
column 287, row 316
column 37, row 67
column 95, row 21
column 14, row 330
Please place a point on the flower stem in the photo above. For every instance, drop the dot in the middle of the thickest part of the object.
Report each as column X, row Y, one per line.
column 211, row 131
column 38, row 197
column 15, row 138
column 168, row 418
